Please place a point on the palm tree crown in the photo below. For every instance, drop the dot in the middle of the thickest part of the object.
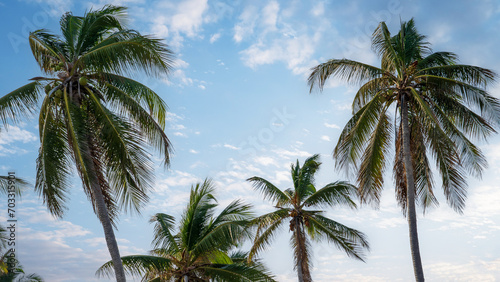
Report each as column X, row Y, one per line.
column 439, row 103
column 199, row 250
column 92, row 116
column 295, row 203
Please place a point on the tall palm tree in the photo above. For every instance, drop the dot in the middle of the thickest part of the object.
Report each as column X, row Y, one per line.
column 199, row 250
column 294, row 203
column 92, row 116
column 439, row 106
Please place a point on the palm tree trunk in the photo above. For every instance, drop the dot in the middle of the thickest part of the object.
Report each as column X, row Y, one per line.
column 410, row 194
column 109, row 234
column 102, row 213
column 302, row 268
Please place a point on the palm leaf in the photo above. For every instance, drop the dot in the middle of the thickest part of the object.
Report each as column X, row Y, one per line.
column 335, row 193
column 19, row 103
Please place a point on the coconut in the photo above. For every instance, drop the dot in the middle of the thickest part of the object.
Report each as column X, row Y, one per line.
column 47, row 88
column 82, row 81
column 58, row 93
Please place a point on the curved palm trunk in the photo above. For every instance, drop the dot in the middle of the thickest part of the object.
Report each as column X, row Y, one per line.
column 109, row 234
column 302, row 265
column 410, row 195
column 102, row 213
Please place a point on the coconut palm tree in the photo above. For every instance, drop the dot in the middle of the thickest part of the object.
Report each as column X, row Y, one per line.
column 295, row 204
column 199, row 250
column 439, row 106
column 92, row 116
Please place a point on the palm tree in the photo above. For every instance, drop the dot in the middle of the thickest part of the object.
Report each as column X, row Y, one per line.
column 93, row 117
column 199, row 250
column 439, row 105
column 292, row 203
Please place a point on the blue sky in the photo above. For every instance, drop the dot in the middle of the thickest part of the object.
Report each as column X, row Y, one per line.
column 239, row 107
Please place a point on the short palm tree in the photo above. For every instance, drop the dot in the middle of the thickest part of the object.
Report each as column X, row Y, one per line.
column 199, row 250
column 92, row 116
column 439, row 105
column 295, row 204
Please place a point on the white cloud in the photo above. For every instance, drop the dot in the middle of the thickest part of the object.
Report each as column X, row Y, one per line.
column 293, row 154
column 214, row 37
column 192, row 151
column 180, row 134
column 189, row 17
column 331, row 125
column 325, row 138
column 270, row 15
column 177, row 127
column 246, row 25
column 266, row 161
column 318, row 10
column 231, row 147
column 474, row 270
column 176, row 179
column 14, row 134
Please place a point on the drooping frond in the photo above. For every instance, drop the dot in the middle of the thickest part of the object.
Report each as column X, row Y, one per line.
column 53, row 164
column 163, row 232
column 238, row 273
column 47, row 49
column 332, row 194
column 130, row 52
column 348, row 70
column 137, row 265
column 128, row 166
column 128, row 98
column 267, row 226
column 352, row 139
column 351, row 241
column 269, row 191
column 19, row 103
column 371, row 170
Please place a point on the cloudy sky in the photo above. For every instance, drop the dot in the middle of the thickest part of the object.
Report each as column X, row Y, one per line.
column 239, row 107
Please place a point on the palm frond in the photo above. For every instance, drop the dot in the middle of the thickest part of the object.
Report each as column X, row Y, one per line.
column 267, row 226
column 304, row 179
column 128, row 166
column 135, row 53
column 349, row 240
column 352, row 139
column 163, row 232
column 19, row 103
column 124, row 101
column 348, row 70
column 373, row 161
column 335, row 193
column 53, row 164
column 238, row 272
column 137, row 265
column 19, row 185
column 48, row 49
column 269, row 191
